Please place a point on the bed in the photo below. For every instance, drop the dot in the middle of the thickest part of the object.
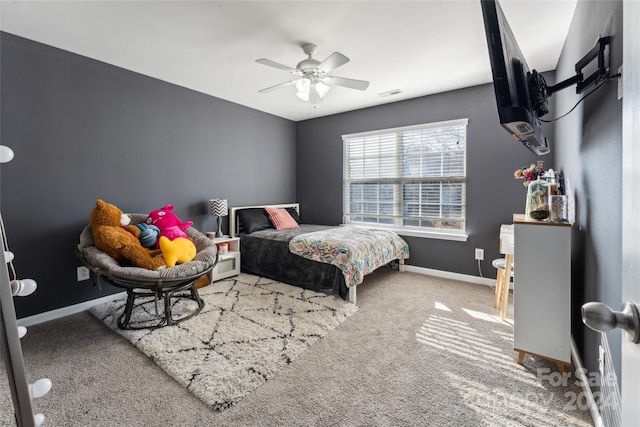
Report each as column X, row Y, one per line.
column 317, row 265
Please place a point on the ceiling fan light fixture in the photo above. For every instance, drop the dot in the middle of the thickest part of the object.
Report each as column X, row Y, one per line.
column 321, row 88
column 304, row 87
column 303, row 95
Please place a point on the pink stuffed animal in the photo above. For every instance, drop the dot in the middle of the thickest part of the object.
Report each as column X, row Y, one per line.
column 169, row 224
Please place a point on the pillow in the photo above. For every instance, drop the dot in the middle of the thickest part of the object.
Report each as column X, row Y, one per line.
column 254, row 219
column 294, row 214
column 281, row 219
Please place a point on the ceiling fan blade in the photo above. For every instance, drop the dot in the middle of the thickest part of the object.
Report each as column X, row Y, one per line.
column 350, row 83
column 277, row 65
column 278, row 86
column 334, row 61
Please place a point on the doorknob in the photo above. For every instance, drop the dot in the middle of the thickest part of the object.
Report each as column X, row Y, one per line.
column 600, row 317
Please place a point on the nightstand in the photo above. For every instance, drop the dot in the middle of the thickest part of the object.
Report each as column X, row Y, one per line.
column 229, row 263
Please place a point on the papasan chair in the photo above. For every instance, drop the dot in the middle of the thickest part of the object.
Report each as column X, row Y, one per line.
column 177, row 282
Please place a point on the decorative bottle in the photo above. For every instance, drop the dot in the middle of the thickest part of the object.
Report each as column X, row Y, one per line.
column 537, row 200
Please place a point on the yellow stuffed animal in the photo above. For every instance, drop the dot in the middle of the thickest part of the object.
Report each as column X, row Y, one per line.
column 117, row 242
column 177, row 251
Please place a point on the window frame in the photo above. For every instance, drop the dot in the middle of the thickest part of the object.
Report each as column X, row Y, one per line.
column 399, row 179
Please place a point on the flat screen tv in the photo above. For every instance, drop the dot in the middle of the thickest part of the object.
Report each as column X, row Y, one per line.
column 519, row 95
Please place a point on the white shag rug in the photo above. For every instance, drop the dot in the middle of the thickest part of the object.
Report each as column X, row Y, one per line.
column 249, row 329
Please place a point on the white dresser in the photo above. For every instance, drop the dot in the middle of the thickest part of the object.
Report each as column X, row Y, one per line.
column 542, row 290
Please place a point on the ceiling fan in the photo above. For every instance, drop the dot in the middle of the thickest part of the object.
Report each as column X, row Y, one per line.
column 313, row 83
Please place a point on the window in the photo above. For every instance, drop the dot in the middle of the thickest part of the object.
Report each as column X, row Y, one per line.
column 411, row 178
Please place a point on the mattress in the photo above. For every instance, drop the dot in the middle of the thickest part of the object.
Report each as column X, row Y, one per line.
column 266, row 253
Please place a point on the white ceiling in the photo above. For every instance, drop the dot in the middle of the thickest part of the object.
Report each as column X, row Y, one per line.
column 419, row 47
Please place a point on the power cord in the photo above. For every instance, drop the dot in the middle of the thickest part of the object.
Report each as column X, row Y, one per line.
column 614, row 76
column 493, row 285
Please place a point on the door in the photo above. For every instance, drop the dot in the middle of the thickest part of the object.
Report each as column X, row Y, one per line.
column 630, row 372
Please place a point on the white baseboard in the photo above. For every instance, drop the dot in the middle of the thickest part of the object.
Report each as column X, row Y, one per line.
column 449, row 275
column 67, row 311
column 593, row 406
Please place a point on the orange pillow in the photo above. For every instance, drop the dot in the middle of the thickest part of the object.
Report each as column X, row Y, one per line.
column 281, row 219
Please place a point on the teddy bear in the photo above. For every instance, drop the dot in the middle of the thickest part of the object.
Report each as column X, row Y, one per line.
column 117, row 242
column 169, row 224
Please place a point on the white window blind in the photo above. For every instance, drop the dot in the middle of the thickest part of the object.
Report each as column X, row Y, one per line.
column 407, row 178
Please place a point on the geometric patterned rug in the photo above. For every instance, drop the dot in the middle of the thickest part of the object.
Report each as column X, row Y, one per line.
column 249, row 329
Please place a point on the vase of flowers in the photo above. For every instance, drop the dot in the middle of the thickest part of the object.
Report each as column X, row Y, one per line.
column 537, row 205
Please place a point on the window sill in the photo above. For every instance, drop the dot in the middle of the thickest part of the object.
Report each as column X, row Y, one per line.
column 441, row 235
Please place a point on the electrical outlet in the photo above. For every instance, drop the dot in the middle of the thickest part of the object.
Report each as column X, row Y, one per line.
column 479, row 254
column 83, row 274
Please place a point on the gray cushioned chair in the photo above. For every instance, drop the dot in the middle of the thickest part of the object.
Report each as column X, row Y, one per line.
column 139, row 282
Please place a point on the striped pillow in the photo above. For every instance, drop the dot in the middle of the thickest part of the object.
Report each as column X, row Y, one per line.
column 281, row 219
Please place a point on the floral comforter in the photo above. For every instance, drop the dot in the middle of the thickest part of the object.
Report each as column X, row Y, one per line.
column 355, row 251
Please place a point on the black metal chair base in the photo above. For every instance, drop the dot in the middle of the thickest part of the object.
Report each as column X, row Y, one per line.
column 164, row 292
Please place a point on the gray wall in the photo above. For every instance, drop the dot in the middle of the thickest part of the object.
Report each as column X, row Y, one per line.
column 83, row 130
column 493, row 195
column 589, row 151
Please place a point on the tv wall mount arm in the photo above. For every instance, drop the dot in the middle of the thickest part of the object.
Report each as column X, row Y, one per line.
column 599, row 74
column 540, row 91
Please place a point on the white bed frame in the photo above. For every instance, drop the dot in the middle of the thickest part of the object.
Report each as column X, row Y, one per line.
column 234, row 230
column 234, row 221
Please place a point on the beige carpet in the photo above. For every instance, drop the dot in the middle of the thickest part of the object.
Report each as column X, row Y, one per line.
column 249, row 329
column 420, row 351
